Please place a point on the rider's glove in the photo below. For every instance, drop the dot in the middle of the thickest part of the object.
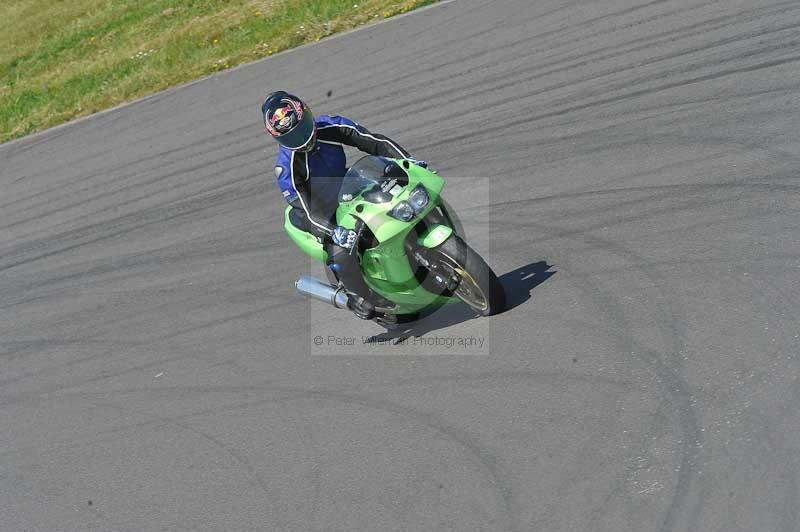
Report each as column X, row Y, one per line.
column 344, row 237
column 423, row 164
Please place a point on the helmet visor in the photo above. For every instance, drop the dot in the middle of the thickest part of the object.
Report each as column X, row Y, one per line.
column 300, row 135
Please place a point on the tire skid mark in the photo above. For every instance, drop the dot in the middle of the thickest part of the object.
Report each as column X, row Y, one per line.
column 138, row 367
column 260, row 388
column 148, row 261
column 161, row 177
column 206, row 194
column 48, row 288
column 126, row 224
column 211, row 143
column 540, row 70
column 677, row 190
column 492, row 468
column 666, row 367
column 243, row 463
column 292, row 415
column 617, row 489
column 615, row 99
column 678, row 108
column 583, row 59
column 613, row 86
column 103, row 328
column 209, row 294
column 447, row 51
column 616, row 221
column 523, row 42
column 20, row 148
column 672, row 329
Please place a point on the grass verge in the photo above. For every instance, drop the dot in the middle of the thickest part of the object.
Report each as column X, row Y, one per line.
column 68, row 58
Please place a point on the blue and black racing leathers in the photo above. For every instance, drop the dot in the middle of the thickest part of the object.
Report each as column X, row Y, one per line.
column 310, row 182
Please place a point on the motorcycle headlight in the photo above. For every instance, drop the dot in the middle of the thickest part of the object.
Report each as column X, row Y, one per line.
column 403, row 211
column 418, row 199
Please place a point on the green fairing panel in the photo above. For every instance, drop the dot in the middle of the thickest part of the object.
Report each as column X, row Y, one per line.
column 386, row 268
column 409, row 299
column 435, row 236
column 383, row 226
column 307, row 242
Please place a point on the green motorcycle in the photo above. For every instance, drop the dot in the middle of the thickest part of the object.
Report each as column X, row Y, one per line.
column 408, row 246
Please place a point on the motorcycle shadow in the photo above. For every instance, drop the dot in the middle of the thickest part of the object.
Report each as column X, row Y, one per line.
column 428, row 321
column 518, row 285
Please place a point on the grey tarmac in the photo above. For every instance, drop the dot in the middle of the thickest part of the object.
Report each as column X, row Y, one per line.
column 629, row 169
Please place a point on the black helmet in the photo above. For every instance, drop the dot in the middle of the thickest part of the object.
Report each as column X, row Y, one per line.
column 289, row 121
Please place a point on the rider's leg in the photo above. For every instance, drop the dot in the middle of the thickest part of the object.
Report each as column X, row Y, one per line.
column 348, row 271
column 346, row 267
column 298, row 218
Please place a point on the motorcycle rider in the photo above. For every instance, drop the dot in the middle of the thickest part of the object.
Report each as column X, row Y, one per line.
column 310, row 165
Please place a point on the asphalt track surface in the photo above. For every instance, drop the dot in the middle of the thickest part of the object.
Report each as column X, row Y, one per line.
column 640, row 201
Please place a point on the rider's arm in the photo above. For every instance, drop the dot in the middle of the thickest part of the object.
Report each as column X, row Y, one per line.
column 298, row 174
column 338, row 129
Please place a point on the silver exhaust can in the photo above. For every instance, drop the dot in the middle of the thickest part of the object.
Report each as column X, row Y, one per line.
column 321, row 291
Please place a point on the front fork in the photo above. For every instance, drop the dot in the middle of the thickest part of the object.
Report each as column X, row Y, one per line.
column 442, row 276
column 436, row 228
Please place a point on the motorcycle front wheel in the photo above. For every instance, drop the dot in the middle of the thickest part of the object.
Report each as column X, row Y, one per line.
column 478, row 286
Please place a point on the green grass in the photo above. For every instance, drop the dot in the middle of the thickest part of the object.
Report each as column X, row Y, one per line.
column 67, row 58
